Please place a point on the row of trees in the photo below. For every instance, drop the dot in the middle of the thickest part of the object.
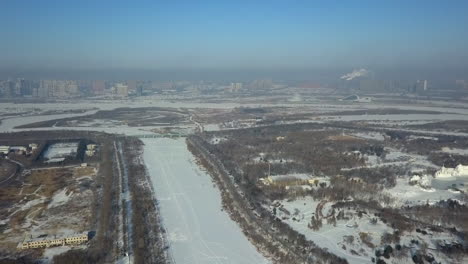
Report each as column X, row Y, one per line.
column 284, row 244
column 150, row 245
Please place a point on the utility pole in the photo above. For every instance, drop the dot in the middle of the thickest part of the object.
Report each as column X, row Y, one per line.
column 269, row 167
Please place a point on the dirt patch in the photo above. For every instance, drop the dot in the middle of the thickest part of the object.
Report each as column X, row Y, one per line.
column 51, row 201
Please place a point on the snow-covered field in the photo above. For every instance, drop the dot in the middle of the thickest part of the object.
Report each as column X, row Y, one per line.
column 198, row 230
column 329, row 236
column 346, row 238
column 406, row 194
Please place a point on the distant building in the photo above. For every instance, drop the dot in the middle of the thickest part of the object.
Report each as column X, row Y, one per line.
column 90, row 150
column 4, row 150
column 22, row 87
column 121, row 90
column 33, row 146
column 98, row 87
column 91, row 146
column 132, row 85
column 7, row 88
column 421, row 86
column 262, row 84
column 235, row 87
column 289, row 180
column 58, row 88
column 43, row 90
column 18, row 148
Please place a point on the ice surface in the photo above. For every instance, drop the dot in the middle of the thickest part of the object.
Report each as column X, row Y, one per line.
column 198, row 231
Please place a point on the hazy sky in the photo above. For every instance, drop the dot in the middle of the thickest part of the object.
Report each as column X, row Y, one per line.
column 271, row 34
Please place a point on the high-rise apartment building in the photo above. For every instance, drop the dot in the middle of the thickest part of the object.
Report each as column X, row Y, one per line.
column 98, row 87
column 121, row 90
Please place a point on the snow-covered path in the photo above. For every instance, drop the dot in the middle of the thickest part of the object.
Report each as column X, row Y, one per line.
column 198, row 231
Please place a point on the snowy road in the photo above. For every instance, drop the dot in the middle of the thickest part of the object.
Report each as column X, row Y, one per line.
column 198, row 231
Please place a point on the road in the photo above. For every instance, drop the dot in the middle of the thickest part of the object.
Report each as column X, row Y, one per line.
column 19, row 169
column 125, row 217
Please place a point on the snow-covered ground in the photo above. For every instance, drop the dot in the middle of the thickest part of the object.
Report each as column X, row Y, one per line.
column 217, row 140
column 455, row 151
column 406, row 194
column 346, row 238
column 370, row 135
column 59, row 198
column 398, row 117
column 329, row 236
column 198, row 230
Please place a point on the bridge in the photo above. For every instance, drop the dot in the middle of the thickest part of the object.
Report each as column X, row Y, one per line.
column 165, row 135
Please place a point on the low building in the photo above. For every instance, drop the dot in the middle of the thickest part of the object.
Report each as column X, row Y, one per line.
column 459, row 171
column 33, row 146
column 289, row 180
column 91, row 147
column 54, row 242
column 79, row 239
column 4, row 150
column 18, row 148
column 90, row 150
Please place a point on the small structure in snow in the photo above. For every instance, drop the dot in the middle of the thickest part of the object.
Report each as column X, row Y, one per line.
column 90, row 150
column 18, row 149
column 459, row 171
column 33, row 146
column 4, row 150
column 91, row 146
column 424, row 181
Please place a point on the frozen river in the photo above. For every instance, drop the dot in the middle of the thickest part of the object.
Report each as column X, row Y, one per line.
column 198, row 231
